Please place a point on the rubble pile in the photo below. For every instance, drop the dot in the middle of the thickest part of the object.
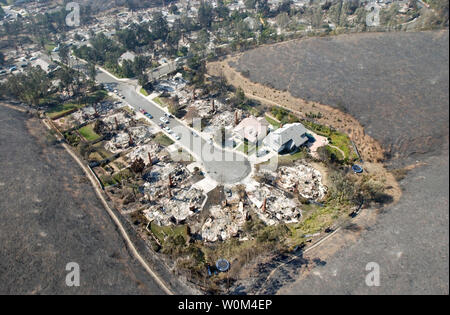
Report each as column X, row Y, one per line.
column 121, row 141
column 87, row 113
column 174, row 210
column 158, row 178
column 120, row 118
column 143, row 152
column 224, row 222
column 205, row 107
column 225, row 118
column 302, row 178
column 272, row 206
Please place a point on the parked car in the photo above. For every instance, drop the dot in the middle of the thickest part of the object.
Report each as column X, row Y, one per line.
column 148, row 115
column 177, row 137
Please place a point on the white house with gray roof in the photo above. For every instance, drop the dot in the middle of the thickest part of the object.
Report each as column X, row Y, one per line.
column 287, row 138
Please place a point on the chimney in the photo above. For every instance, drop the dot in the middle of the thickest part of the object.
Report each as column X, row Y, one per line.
column 264, row 205
column 236, row 118
column 170, row 180
column 193, row 94
column 130, row 141
column 117, row 123
column 213, row 107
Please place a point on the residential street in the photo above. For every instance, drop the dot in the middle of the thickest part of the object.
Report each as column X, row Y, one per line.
column 222, row 166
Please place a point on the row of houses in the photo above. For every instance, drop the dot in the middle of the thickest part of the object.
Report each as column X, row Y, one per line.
column 287, row 138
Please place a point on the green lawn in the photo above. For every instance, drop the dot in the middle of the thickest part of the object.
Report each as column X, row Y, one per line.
column 94, row 97
column 273, row 122
column 144, row 92
column 163, row 140
column 337, row 153
column 159, row 101
column 161, row 232
column 49, row 47
column 100, row 148
column 338, row 139
column 88, row 133
column 292, row 157
column 61, row 109
column 315, row 221
column 108, row 180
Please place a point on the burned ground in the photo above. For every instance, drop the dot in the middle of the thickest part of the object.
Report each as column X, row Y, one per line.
column 50, row 216
column 395, row 84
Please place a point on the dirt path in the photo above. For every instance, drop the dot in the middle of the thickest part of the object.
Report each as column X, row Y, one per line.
column 119, row 225
column 335, row 147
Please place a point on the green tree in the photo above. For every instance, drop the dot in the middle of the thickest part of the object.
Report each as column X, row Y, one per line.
column 138, row 166
column 222, row 10
column 140, row 64
column 63, row 54
column 250, row 4
column 263, row 7
column 240, row 95
column 29, row 86
column 205, row 14
column 91, row 72
column 127, row 69
column 173, row 9
column 159, row 26
column 143, row 79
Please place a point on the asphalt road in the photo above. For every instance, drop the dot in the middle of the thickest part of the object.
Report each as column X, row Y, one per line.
column 223, row 166
column 50, row 216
